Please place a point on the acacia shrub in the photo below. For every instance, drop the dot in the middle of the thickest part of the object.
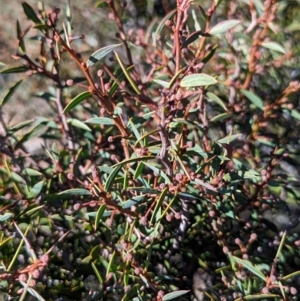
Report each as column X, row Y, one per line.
column 169, row 161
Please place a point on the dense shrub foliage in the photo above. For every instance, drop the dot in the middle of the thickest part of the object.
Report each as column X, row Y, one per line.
column 169, row 163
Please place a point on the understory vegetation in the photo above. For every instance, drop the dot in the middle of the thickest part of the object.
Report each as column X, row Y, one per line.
column 167, row 164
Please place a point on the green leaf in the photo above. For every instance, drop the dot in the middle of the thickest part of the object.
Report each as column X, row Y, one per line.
column 129, row 78
column 20, row 36
column 223, row 26
column 75, row 191
column 162, row 23
column 162, row 83
column 17, row 178
column 36, row 190
column 5, row 217
column 99, row 215
column 159, row 172
column 257, row 101
column 33, row 208
column 117, row 168
column 101, row 53
column 158, row 204
column 19, row 69
column 10, row 92
column 198, row 79
column 30, row 13
column 79, row 124
column 273, row 46
column 214, row 98
column 100, row 120
column 35, row 132
column 120, row 76
column 193, row 37
column 173, row 295
column 132, row 292
column 76, row 101
column 21, row 125
column 261, row 297
column 31, row 172
column 229, row 138
column 101, row 4
column 249, row 266
column 138, row 170
column 69, row 18
column 221, row 117
column 293, row 113
column 41, row 27
column 31, row 291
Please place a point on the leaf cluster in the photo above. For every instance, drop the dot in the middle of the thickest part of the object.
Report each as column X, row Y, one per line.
column 168, row 169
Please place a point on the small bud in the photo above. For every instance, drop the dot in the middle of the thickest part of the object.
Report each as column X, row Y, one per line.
column 144, row 221
column 70, row 176
column 23, row 277
column 168, row 23
column 293, row 291
column 45, row 259
column 76, row 206
column 36, row 273
column 177, row 215
column 169, row 217
column 178, row 177
column 70, row 82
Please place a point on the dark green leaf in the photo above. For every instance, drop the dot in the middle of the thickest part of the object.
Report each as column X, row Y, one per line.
column 30, row 13
column 193, row 37
column 161, row 24
column 214, row 98
column 229, row 138
column 117, row 168
column 41, row 27
column 21, row 125
column 127, row 74
column 35, row 132
column 138, row 170
column 158, row 205
column 221, row 117
column 257, row 101
column 20, row 36
column 19, row 69
column 10, row 92
column 249, row 266
column 99, row 215
column 76, row 101
column 101, row 53
column 101, row 4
